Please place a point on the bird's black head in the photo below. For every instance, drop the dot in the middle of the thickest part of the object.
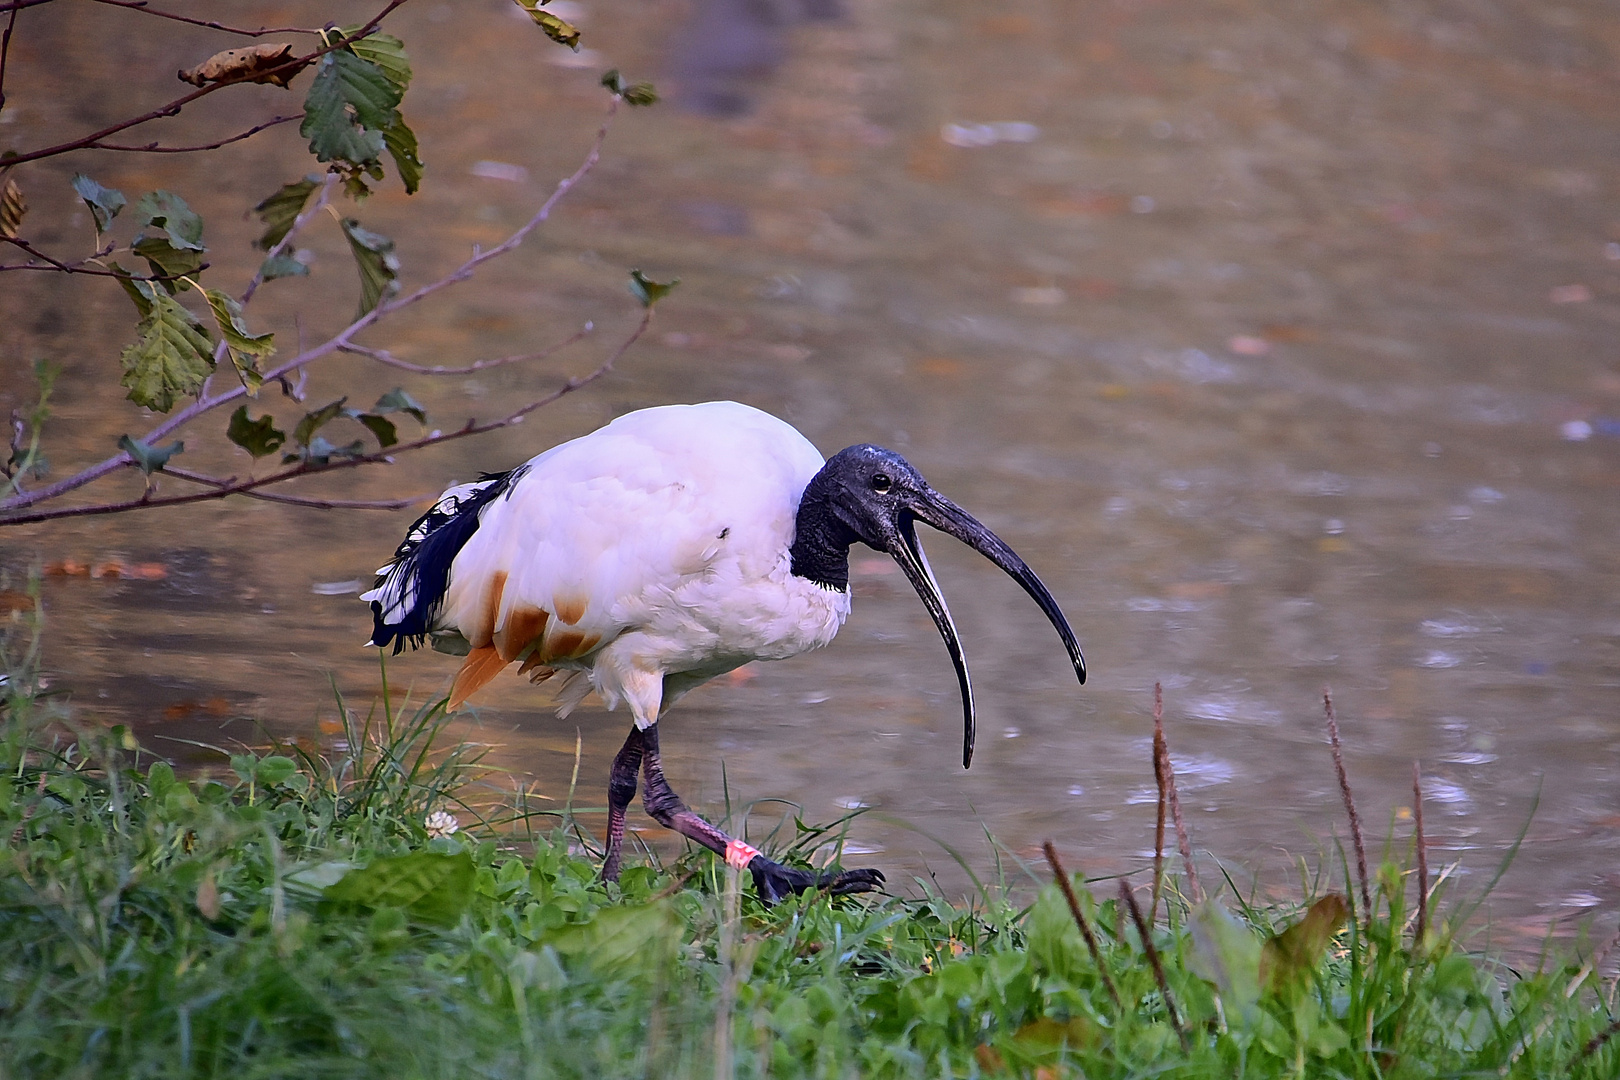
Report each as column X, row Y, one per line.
column 874, row 496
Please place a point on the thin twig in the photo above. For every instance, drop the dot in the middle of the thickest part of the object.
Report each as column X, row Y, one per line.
column 1080, row 919
column 1161, row 766
column 245, row 487
column 298, row 500
column 1195, row 892
column 154, row 148
column 1349, row 802
column 141, row 6
column 383, row 356
column 79, row 267
column 1128, row 900
column 5, row 53
column 122, row 460
column 1422, row 859
column 173, row 108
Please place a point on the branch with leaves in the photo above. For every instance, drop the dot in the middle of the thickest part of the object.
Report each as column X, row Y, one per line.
column 352, row 118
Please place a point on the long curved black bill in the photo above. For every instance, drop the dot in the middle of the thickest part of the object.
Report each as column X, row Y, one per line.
column 934, row 509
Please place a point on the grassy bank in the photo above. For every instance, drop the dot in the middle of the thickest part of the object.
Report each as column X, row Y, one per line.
column 309, row 916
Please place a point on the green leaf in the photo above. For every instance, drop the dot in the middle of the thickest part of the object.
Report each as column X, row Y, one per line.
column 144, row 293
column 634, row 94
column 246, row 349
column 282, row 266
column 168, row 262
column 1226, row 953
column 563, row 33
column 434, row 886
column 149, row 458
column 104, row 202
column 349, row 104
column 171, row 357
column 385, row 51
column 320, row 451
column 279, row 210
column 621, row 938
column 260, row 437
column 401, row 143
column 379, row 426
column 397, row 400
column 648, row 291
column 1289, row 958
column 168, row 212
column 379, row 266
column 314, row 421
column 275, row 769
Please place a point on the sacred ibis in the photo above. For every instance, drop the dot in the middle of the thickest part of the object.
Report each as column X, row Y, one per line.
column 671, row 546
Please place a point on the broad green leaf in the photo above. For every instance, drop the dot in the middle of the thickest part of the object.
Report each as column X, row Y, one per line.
column 246, row 349
column 433, row 886
column 620, row 938
column 349, row 104
column 171, row 357
column 1289, row 958
column 1226, row 953
column 168, row 262
column 260, row 437
column 401, row 143
column 387, row 52
column 648, row 291
column 314, row 421
column 379, row 266
column 144, row 293
column 379, row 426
column 104, row 202
column 280, row 210
column 168, row 212
column 563, row 33
column 397, row 400
column 149, row 458
column 275, row 769
column 282, row 266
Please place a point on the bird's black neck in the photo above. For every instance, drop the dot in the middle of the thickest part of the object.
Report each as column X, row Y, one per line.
column 821, row 540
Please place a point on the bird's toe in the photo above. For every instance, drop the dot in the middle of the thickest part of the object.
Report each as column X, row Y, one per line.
column 853, row 881
column 775, row 882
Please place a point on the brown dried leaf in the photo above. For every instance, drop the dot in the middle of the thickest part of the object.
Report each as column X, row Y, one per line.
column 252, row 64
column 12, row 208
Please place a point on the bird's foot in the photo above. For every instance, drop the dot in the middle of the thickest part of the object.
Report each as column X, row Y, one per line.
column 775, row 882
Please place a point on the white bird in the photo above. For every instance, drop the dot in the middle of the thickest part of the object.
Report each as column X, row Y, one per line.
column 671, row 546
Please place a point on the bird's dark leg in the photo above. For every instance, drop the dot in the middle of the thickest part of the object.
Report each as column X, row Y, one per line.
column 621, row 789
column 772, row 880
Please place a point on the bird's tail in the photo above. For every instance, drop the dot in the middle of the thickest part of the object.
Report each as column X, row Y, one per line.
column 410, row 590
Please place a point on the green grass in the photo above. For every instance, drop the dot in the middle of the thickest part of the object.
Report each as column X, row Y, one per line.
column 296, row 919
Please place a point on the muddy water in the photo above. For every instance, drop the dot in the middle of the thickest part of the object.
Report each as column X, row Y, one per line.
column 1283, row 340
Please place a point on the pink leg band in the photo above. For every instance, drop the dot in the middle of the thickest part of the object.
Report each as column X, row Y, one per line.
column 739, row 854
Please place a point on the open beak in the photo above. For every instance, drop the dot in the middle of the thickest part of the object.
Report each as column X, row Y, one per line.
column 934, row 509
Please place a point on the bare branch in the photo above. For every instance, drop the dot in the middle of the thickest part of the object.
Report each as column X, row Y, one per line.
column 141, row 6
column 345, row 337
column 79, row 267
column 298, row 500
column 219, row 489
column 5, row 53
column 174, row 107
column 154, row 148
column 383, row 356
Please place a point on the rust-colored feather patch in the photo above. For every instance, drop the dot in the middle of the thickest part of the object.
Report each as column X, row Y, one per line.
column 522, row 627
column 564, row 644
column 480, row 667
column 484, row 632
column 571, row 609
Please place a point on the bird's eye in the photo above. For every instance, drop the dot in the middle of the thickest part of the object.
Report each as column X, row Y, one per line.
column 880, row 482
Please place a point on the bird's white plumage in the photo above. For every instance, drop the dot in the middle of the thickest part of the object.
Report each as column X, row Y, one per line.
column 655, row 546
